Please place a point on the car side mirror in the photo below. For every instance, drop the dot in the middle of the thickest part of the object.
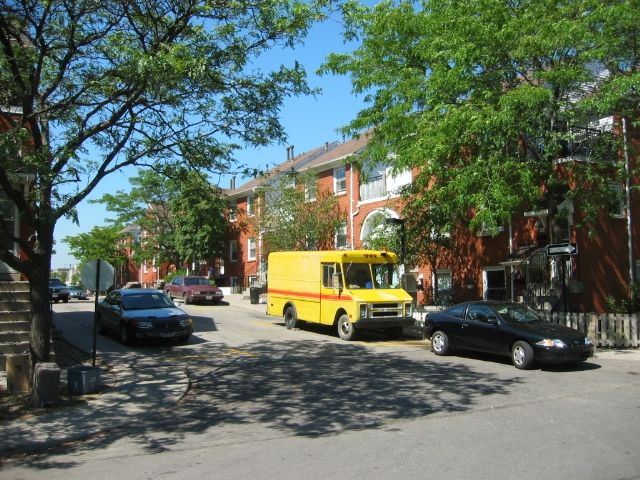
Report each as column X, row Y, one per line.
column 492, row 320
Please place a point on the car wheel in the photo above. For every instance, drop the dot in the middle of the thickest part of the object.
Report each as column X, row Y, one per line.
column 346, row 330
column 440, row 343
column 65, row 300
column 522, row 355
column 393, row 332
column 183, row 340
column 102, row 330
column 185, row 298
column 291, row 318
column 125, row 335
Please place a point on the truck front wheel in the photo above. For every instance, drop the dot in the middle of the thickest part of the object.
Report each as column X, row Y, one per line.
column 291, row 318
column 346, row 330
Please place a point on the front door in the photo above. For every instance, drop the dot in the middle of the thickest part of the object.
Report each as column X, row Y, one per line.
column 494, row 284
column 8, row 210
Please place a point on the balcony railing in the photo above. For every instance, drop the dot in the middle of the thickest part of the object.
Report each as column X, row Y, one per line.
column 586, row 144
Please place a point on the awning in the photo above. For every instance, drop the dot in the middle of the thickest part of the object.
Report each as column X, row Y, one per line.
column 522, row 255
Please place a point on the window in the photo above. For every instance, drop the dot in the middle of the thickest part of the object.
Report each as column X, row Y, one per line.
column 251, row 206
column 327, row 275
column 341, row 236
column 252, row 249
column 310, row 189
column 233, row 251
column 233, row 213
column 442, row 279
column 339, row 180
column 616, row 208
column 7, row 209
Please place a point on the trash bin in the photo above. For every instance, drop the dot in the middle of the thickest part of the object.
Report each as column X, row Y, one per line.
column 254, row 294
column 83, row 379
column 46, row 385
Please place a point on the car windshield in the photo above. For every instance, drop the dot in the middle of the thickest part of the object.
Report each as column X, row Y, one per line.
column 55, row 282
column 517, row 314
column 196, row 281
column 146, row 301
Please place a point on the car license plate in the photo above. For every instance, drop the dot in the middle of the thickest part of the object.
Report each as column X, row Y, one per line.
column 209, row 297
column 168, row 334
column 54, row 295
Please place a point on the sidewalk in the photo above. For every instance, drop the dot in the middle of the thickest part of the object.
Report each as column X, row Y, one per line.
column 128, row 394
column 131, row 392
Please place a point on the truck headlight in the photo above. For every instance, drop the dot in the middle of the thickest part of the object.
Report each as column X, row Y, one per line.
column 408, row 309
column 363, row 310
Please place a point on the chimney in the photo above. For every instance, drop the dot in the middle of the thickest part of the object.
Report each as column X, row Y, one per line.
column 233, row 183
column 326, row 147
column 292, row 155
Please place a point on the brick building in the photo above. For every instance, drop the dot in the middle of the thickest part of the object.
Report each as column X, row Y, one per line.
column 511, row 264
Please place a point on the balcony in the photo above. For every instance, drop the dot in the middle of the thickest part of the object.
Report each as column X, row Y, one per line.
column 585, row 145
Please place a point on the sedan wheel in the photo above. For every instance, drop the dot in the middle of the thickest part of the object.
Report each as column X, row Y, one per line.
column 185, row 298
column 440, row 343
column 346, row 330
column 125, row 336
column 522, row 355
column 101, row 328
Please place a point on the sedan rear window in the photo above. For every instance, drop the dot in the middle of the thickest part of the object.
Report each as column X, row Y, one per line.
column 145, row 302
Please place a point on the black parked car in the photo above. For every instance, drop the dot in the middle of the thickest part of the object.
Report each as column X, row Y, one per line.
column 142, row 313
column 58, row 290
column 504, row 328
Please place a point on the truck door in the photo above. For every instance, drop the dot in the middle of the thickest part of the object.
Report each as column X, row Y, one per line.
column 330, row 290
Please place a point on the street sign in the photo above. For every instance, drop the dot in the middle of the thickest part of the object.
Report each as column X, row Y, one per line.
column 562, row 249
column 90, row 272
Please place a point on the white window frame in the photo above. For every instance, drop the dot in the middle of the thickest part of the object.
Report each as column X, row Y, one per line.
column 620, row 210
column 440, row 273
column 340, row 180
column 341, row 231
column 252, row 246
column 251, row 205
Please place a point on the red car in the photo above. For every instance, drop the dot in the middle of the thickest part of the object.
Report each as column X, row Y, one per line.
column 194, row 290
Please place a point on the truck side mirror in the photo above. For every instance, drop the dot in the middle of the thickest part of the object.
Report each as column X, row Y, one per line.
column 337, row 282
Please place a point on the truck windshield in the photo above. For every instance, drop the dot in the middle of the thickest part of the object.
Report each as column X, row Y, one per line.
column 386, row 275
column 359, row 275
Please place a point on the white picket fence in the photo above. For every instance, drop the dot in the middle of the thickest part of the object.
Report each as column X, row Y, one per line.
column 608, row 330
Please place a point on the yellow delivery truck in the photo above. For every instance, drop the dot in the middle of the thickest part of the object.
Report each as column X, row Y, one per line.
column 352, row 290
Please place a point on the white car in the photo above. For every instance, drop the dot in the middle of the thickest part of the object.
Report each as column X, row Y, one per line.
column 77, row 292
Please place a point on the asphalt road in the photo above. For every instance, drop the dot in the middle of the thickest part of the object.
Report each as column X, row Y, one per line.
column 271, row 403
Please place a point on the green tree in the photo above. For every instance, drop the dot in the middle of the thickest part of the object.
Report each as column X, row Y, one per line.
column 296, row 214
column 98, row 86
column 99, row 243
column 181, row 216
column 480, row 97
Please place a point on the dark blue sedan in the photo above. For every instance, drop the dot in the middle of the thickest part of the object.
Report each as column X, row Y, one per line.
column 140, row 313
column 509, row 329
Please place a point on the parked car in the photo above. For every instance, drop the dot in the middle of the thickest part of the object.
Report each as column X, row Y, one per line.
column 192, row 289
column 505, row 328
column 77, row 292
column 58, row 291
column 142, row 313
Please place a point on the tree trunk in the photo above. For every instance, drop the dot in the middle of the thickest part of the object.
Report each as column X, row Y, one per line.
column 37, row 272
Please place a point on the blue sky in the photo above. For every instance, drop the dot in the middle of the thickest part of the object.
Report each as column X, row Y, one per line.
column 308, row 121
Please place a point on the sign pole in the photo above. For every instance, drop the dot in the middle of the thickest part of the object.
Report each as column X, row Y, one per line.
column 95, row 313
